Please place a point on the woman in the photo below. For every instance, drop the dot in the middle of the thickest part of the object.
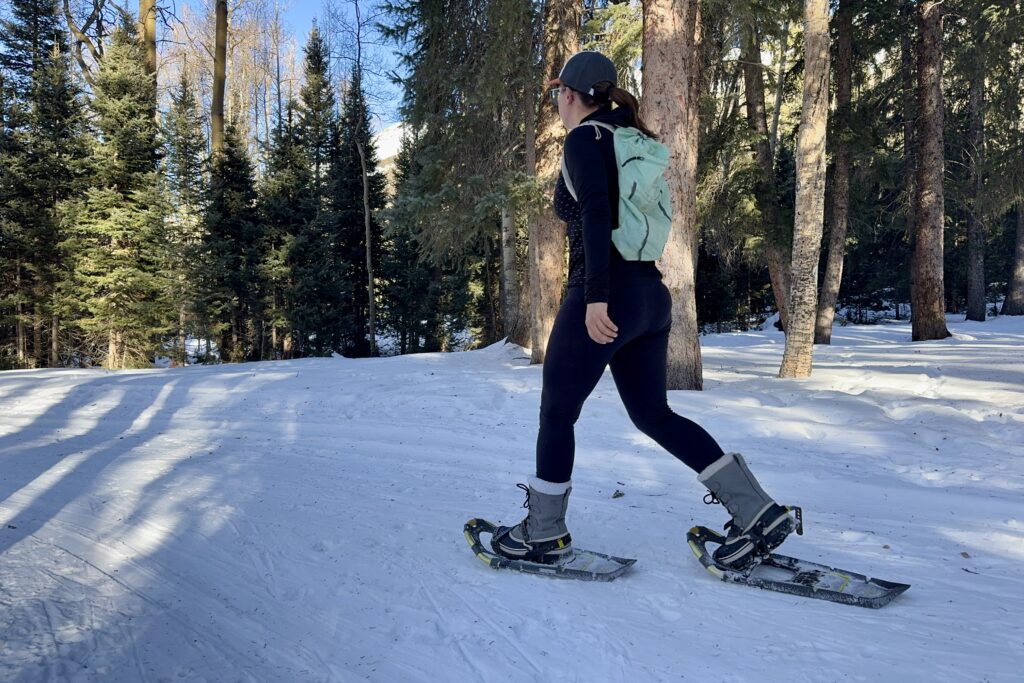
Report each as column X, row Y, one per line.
column 617, row 312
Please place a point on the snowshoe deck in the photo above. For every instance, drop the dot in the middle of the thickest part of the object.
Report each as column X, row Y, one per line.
column 583, row 565
column 798, row 577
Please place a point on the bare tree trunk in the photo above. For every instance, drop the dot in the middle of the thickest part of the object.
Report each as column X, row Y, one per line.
column 672, row 44
column 547, row 233
column 928, row 319
column 840, row 179
column 182, row 341
column 147, row 32
column 19, row 318
column 509, row 271
column 367, row 222
column 219, row 62
column 779, row 87
column 82, row 40
column 372, row 321
column 37, row 336
column 907, row 71
column 753, row 85
column 810, row 194
column 1013, row 304
column 975, row 160
column 54, row 342
column 112, row 350
column 521, row 331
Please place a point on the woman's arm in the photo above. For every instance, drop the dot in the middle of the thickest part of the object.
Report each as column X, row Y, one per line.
column 590, row 179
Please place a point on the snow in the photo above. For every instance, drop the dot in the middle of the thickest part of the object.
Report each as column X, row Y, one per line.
column 302, row 520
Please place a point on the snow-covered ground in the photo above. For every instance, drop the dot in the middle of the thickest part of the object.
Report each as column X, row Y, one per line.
column 302, row 520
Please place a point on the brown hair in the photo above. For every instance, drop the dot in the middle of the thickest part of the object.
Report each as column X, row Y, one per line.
column 605, row 93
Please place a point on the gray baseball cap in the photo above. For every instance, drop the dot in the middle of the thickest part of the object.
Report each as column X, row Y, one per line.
column 584, row 70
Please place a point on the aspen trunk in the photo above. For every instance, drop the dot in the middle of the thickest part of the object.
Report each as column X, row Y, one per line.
column 810, row 194
column 54, row 342
column 840, row 179
column 219, row 62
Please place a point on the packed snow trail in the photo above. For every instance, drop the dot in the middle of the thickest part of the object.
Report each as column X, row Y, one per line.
column 302, row 520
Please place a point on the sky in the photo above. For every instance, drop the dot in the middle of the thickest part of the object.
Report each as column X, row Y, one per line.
column 299, row 17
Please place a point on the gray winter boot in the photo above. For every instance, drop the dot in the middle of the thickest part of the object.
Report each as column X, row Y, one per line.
column 542, row 536
column 759, row 524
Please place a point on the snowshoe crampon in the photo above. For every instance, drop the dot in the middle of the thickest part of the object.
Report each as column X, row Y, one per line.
column 579, row 564
column 797, row 577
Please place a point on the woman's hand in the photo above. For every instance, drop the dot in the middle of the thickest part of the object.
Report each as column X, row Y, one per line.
column 599, row 326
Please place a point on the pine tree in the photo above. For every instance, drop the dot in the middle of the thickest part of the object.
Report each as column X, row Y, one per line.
column 186, row 169
column 28, row 41
column 321, row 292
column 116, row 240
column 232, row 301
column 424, row 304
column 44, row 161
column 348, row 207
column 285, row 209
column 318, row 118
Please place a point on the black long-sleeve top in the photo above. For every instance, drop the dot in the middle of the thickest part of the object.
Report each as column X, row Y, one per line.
column 594, row 263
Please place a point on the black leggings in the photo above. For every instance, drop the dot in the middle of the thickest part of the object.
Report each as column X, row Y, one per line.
column 574, row 363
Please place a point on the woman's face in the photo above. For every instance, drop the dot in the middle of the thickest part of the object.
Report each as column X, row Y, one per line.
column 568, row 105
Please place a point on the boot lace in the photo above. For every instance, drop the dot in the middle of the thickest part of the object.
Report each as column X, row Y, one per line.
column 526, row 504
column 711, row 499
column 526, row 489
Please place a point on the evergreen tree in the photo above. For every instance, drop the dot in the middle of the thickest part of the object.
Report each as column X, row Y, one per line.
column 44, row 161
column 29, row 39
column 423, row 304
column 187, row 173
column 116, row 240
column 232, row 301
column 318, row 119
column 285, row 209
column 321, row 291
column 349, row 212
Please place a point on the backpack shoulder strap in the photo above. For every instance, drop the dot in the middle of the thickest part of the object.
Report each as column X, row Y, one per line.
column 598, row 125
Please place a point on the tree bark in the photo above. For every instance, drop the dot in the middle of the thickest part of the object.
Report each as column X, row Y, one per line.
column 928, row 319
column 219, row 63
column 147, row 32
column 509, row 272
column 780, row 84
column 521, row 330
column 810, row 194
column 907, row 71
column 840, row 178
column 975, row 160
column 672, row 42
column 19, row 318
column 54, row 342
column 372, row 321
column 547, row 233
column 757, row 119
column 1013, row 304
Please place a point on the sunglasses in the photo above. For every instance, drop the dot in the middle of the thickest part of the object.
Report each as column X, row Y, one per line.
column 554, row 94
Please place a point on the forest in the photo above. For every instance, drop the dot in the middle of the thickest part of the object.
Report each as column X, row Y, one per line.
column 196, row 183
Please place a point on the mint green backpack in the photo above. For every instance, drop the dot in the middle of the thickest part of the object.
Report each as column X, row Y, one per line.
column 645, row 205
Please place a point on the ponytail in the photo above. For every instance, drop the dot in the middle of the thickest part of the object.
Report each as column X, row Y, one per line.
column 605, row 94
